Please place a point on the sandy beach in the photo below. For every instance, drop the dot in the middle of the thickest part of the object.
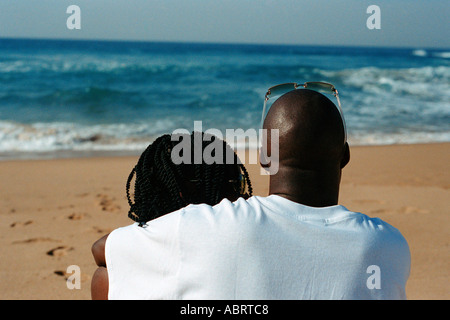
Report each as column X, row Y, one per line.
column 53, row 210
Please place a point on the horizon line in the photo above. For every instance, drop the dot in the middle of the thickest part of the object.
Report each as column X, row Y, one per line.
column 225, row 43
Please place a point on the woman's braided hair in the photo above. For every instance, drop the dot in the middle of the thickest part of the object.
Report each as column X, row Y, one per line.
column 161, row 186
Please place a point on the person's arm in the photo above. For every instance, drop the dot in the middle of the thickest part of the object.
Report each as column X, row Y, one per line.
column 99, row 284
column 98, row 251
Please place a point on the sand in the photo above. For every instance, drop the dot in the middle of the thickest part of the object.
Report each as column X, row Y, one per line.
column 53, row 210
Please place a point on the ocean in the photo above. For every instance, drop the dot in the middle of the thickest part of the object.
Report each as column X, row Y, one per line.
column 60, row 98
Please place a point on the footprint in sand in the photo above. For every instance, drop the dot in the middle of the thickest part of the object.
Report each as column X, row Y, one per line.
column 77, row 216
column 61, row 273
column 101, row 230
column 17, row 224
column 33, row 240
column 59, row 251
column 107, row 203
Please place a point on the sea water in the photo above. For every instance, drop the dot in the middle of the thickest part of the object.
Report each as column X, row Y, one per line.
column 62, row 97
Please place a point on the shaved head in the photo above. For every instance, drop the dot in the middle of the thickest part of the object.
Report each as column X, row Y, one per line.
column 311, row 150
column 311, row 132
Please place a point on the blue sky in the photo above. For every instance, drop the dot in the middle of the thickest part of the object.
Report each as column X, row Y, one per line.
column 404, row 23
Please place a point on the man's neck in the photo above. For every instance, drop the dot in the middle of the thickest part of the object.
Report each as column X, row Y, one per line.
column 314, row 189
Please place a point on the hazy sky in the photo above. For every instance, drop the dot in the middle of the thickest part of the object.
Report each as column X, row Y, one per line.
column 410, row 23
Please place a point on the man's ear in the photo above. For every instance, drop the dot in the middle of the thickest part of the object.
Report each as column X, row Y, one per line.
column 263, row 162
column 346, row 157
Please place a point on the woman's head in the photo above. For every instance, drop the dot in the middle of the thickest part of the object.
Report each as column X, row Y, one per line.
column 161, row 186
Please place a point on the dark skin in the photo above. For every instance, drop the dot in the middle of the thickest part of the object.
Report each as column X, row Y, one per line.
column 99, row 283
column 312, row 152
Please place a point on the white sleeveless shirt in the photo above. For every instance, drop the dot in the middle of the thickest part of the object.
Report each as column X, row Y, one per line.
column 260, row 248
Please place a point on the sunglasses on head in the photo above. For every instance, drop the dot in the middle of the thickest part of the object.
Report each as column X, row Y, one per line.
column 322, row 87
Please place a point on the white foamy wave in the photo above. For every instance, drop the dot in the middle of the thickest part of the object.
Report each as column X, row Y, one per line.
column 108, row 64
column 383, row 138
column 53, row 140
column 427, row 83
column 444, row 55
column 48, row 137
column 54, row 137
column 73, row 65
column 425, row 53
column 420, row 53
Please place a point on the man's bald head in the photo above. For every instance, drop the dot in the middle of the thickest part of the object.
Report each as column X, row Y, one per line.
column 311, row 131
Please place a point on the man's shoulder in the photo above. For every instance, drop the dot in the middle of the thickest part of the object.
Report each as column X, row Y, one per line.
column 224, row 211
column 378, row 234
column 377, row 225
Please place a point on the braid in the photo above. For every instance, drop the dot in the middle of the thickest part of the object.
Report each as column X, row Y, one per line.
column 130, row 177
column 218, row 175
column 161, row 186
column 156, row 189
column 247, row 179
